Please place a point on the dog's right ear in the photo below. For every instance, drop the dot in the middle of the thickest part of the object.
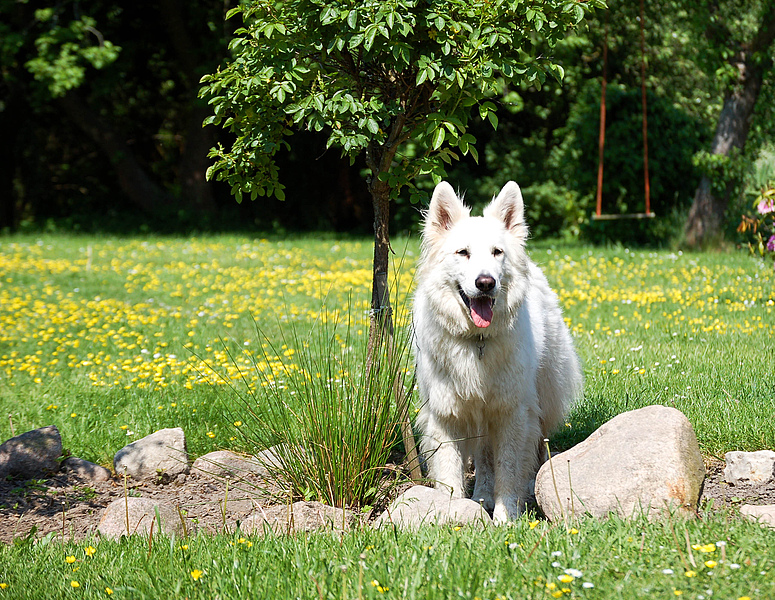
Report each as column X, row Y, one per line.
column 445, row 210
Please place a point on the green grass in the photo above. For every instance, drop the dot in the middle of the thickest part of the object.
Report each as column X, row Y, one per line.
column 111, row 339
column 614, row 559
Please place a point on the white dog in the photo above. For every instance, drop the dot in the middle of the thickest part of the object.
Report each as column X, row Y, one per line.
column 495, row 361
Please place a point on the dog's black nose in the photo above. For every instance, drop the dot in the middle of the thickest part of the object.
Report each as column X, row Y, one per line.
column 485, row 283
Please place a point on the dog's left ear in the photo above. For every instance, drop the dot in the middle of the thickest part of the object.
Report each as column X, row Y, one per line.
column 509, row 208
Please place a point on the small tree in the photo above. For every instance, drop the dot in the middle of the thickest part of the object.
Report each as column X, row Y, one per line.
column 374, row 75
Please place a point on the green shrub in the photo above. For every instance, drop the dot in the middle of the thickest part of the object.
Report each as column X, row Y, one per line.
column 326, row 409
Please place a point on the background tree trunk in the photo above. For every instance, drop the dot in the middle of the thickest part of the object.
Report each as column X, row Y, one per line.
column 132, row 178
column 706, row 215
column 197, row 192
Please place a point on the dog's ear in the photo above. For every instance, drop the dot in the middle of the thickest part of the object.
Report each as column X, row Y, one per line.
column 509, row 208
column 445, row 210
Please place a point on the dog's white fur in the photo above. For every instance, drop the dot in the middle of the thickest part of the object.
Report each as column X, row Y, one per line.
column 493, row 383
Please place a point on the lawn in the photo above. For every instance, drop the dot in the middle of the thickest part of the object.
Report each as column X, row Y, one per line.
column 111, row 339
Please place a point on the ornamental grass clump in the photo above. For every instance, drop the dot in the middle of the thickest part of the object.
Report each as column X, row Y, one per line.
column 320, row 412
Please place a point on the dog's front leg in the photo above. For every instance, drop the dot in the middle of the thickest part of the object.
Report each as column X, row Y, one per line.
column 442, row 446
column 515, row 461
column 485, row 477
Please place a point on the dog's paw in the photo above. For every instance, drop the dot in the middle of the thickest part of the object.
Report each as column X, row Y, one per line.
column 506, row 511
column 486, row 502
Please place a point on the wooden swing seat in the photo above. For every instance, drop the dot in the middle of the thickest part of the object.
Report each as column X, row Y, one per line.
column 623, row 216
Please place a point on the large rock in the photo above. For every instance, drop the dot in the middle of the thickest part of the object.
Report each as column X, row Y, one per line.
column 421, row 505
column 142, row 514
column 642, row 461
column 298, row 517
column 32, row 454
column 159, row 456
column 749, row 467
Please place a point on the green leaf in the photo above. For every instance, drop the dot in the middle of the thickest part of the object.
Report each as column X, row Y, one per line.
column 438, row 138
column 352, row 18
column 493, row 118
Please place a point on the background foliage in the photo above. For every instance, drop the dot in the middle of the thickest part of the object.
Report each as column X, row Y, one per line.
column 136, row 71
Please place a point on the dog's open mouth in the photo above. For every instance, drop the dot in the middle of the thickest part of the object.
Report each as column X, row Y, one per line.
column 480, row 308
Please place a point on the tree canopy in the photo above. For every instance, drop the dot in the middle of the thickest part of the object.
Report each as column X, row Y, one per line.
column 374, row 76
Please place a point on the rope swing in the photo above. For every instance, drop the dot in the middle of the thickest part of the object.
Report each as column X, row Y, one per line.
column 599, row 215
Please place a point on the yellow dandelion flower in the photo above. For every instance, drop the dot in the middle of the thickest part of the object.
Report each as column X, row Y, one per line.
column 677, row 592
column 196, row 574
column 690, row 573
column 108, row 591
column 75, row 584
column 574, row 531
column 210, row 434
column 744, row 598
column 565, row 578
column 3, row 586
column 551, row 585
column 90, row 550
column 710, row 563
column 69, row 559
column 533, row 524
column 237, row 423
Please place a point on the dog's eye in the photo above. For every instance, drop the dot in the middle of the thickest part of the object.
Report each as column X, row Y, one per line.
column 497, row 251
column 463, row 252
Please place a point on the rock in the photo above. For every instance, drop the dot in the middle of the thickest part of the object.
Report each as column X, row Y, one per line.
column 224, row 462
column 142, row 513
column 300, row 516
column 32, row 454
column 749, row 467
column 644, row 460
column 161, row 455
column 88, row 471
column 421, row 505
column 763, row 514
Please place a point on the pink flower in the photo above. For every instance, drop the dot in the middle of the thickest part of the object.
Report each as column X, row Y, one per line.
column 766, row 206
column 771, row 244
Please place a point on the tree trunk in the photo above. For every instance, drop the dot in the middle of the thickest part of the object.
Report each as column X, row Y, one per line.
column 132, row 178
column 706, row 215
column 11, row 122
column 379, row 160
column 197, row 192
column 381, row 316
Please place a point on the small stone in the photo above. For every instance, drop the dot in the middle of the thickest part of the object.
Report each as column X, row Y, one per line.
column 221, row 463
column 85, row 470
column 749, row 467
column 32, row 454
column 763, row 514
column 159, row 456
column 142, row 514
column 298, row 517
column 421, row 505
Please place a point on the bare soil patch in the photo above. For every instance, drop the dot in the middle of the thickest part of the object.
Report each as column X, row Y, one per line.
column 72, row 508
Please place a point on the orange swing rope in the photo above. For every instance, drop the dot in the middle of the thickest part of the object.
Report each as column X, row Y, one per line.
column 601, row 143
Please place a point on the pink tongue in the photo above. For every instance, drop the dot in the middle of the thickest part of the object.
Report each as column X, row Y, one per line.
column 481, row 311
